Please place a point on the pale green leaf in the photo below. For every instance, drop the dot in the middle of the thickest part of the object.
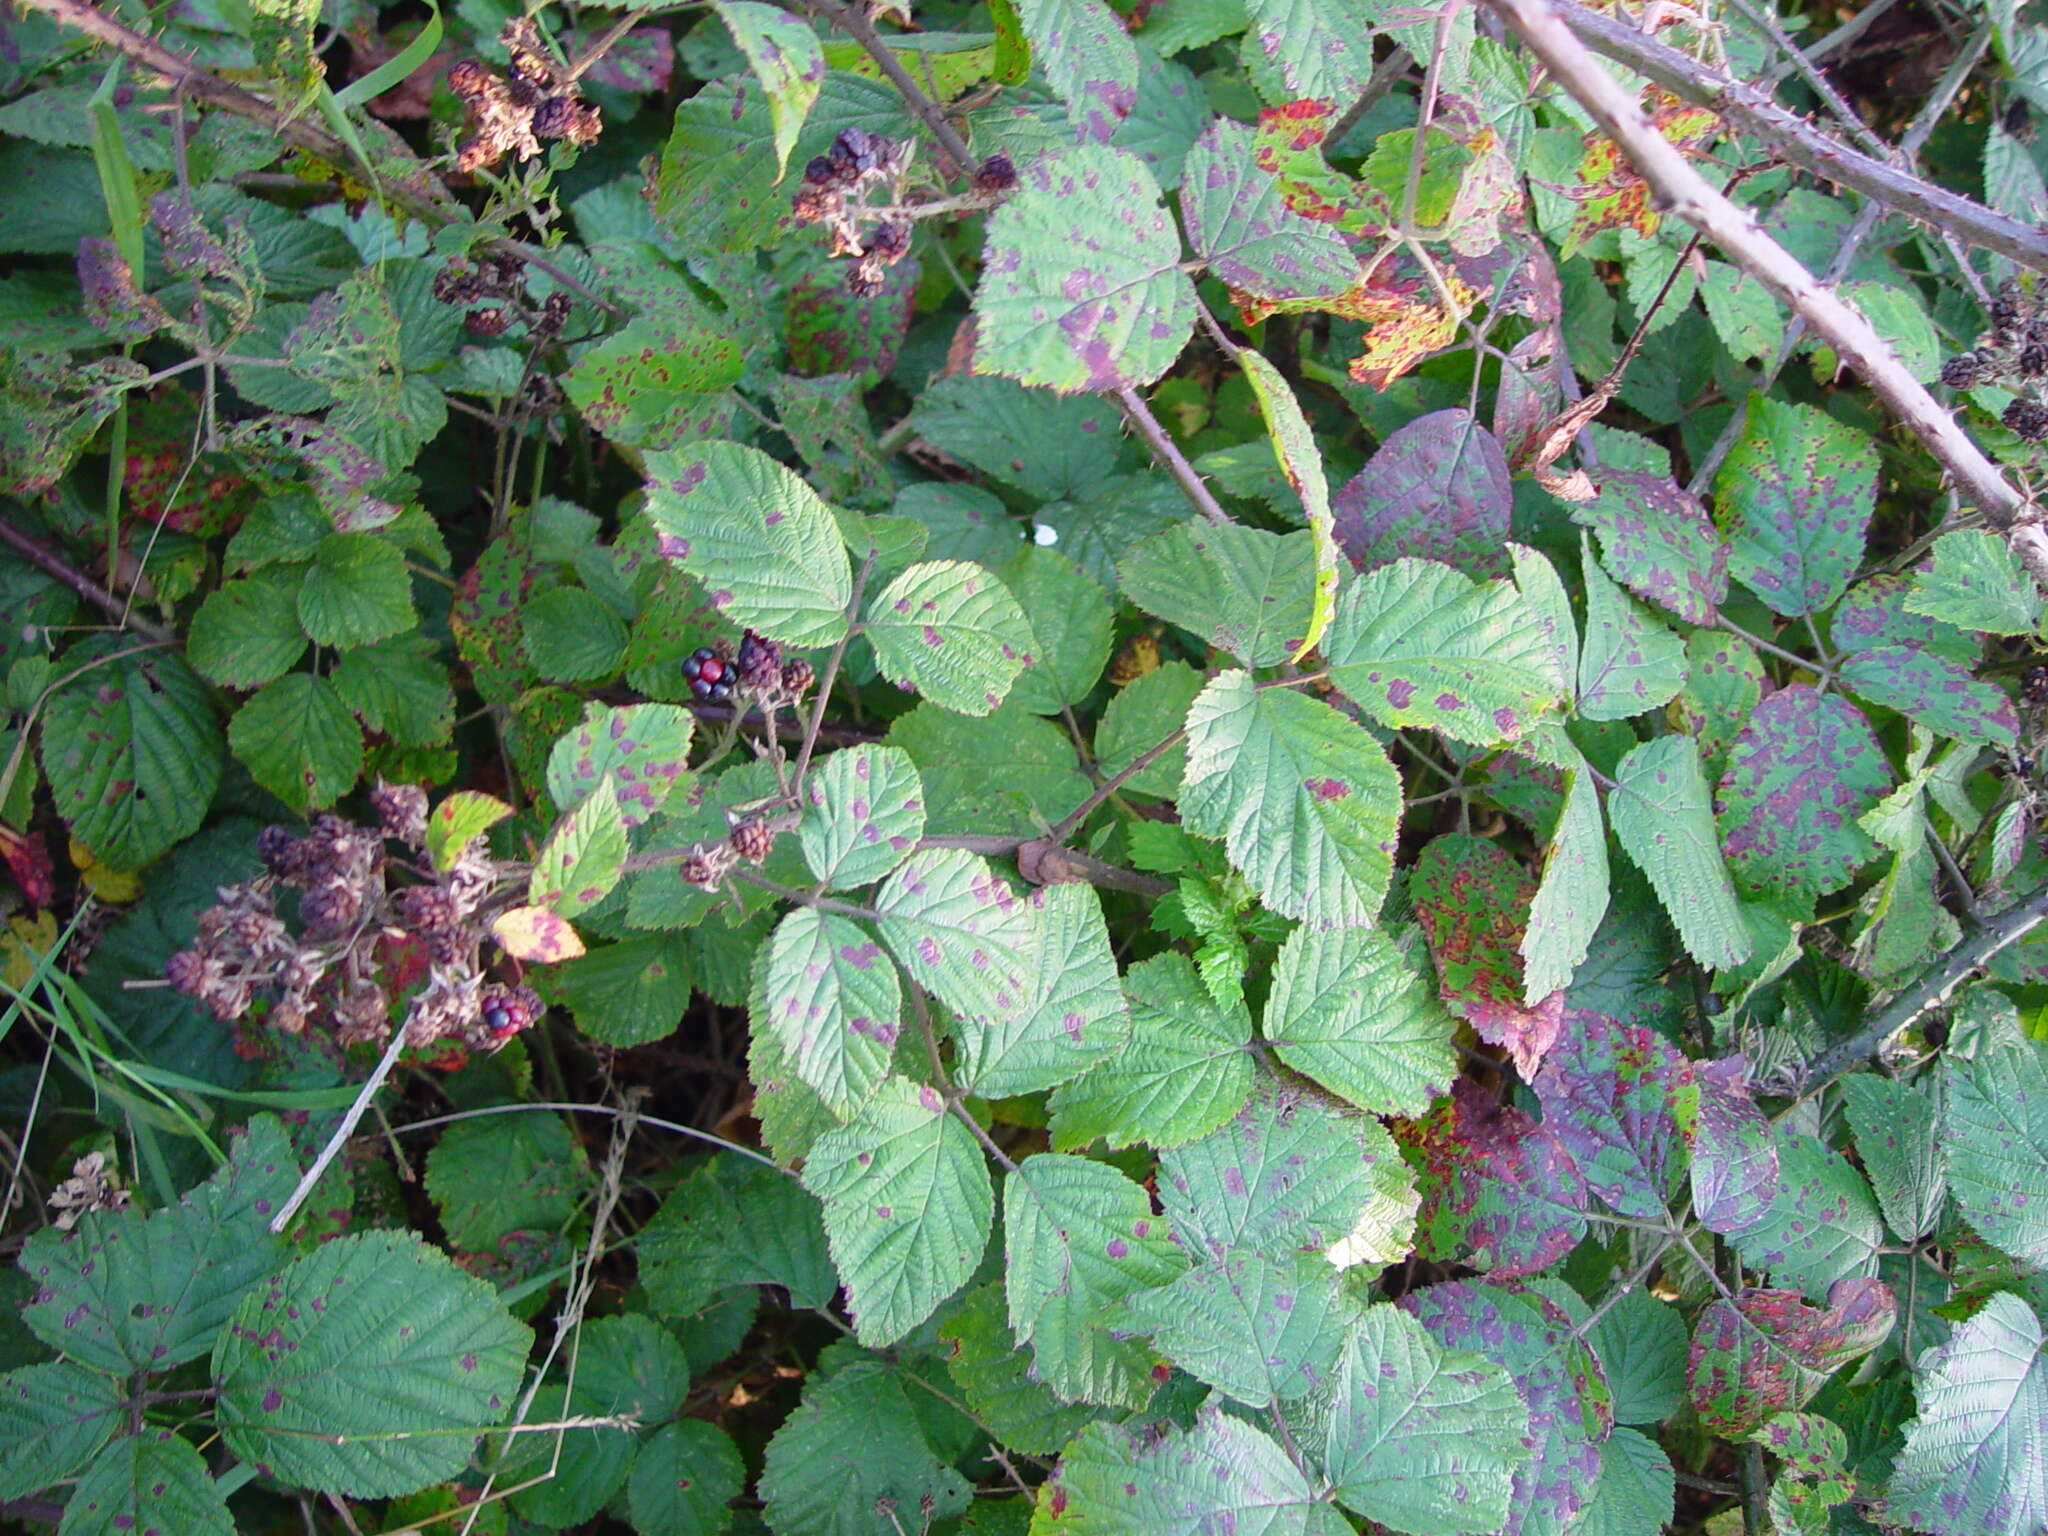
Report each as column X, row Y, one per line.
column 786, row 58
column 1630, row 664
column 1242, row 590
column 866, row 812
column 1572, row 898
column 950, row 630
column 1975, row 581
column 1821, row 1226
column 1901, row 1148
column 1995, row 1128
column 962, row 934
column 1088, row 58
column 583, row 857
column 1255, row 1328
column 1664, row 821
column 1349, row 1013
column 1075, row 1015
column 1301, row 461
column 642, row 750
column 835, row 1003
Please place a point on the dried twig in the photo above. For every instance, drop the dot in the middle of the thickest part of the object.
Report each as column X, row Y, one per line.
column 1139, row 414
column 856, row 26
column 56, row 565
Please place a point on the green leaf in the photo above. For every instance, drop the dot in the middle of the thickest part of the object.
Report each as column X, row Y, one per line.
column 1417, row 643
column 1938, row 693
column 1308, row 48
column 1242, row 590
column 1088, row 59
column 1220, row 1475
column 1804, row 770
column 1744, row 314
column 1637, row 1490
column 1795, row 497
column 834, row 1003
column 1896, row 1139
column 853, row 1448
column 1571, row 900
column 1975, row 581
column 1068, row 621
column 1185, row 1070
column 907, row 1207
column 1142, row 714
column 1239, row 221
column 1663, row 821
column 642, row 750
column 767, row 550
column 1347, row 1011
column 53, row 1420
column 299, row 741
column 1013, row 772
column 1076, row 1013
column 246, row 633
column 948, row 629
column 1304, row 799
column 629, row 993
column 1641, row 1344
column 867, row 813
column 786, row 58
column 367, row 1368
column 1044, row 445
column 995, row 1377
column 572, row 635
column 1255, row 1328
column 356, row 590
column 1767, row 1351
column 1972, row 1464
column 583, row 858
column 1294, row 447
column 1422, row 1438
column 962, row 934
column 398, row 688
column 734, row 1222
column 1290, row 1172
column 1081, row 286
column 1995, row 1130
column 496, row 1175
column 457, row 821
column 130, row 750
column 1822, row 1225
column 1079, row 1236
column 1631, row 664
column 125, row 1292
column 154, row 1481
column 683, row 1479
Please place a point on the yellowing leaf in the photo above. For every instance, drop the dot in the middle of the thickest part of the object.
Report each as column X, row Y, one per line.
column 537, row 935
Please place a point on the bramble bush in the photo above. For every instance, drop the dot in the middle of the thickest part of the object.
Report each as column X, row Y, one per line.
column 1085, row 767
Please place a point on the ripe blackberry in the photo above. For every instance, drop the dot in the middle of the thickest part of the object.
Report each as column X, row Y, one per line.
column 819, row 173
column 2034, row 685
column 1962, row 371
column 281, row 851
column 995, row 174
column 503, row 1012
column 2033, row 360
column 2028, row 419
column 708, row 673
column 890, row 242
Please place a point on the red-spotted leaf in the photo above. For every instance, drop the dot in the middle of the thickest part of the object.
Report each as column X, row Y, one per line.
column 1088, row 59
column 1734, row 1157
column 1769, row 1351
column 1571, row 1409
column 1624, row 1102
column 536, row 935
column 1938, row 693
column 643, row 749
column 786, row 58
column 1658, row 541
column 464, row 815
column 1472, row 899
column 1499, row 1191
column 1081, row 286
column 584, row 856
column 1822, row 1224
column 1239, row 222
column 1795, row 497
column 1436, row 489
column 1800, row 774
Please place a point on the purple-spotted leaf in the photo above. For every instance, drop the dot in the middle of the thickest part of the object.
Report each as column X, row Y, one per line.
column 1663, row 821
column 1723, row 685
column 1301, row 461
column 1303, row 48
column 1734, row 1157
column 1259, row 1329
column 1896, row 1139
column 1972, row 1463
column 1767, row 1352
column 1815, row 1476
column 1088, row 59
column 1436, row 489
column 1417, row 643
column 1404, row 1403
column 1221, row 1475
column 1499, row 1191
column 1078, row 1237
column 1243, row 590
column 1934, row 691
column 1076, row 1015
column 643, row 749
column 1347, row 1011
column 151, row 1482
column 1570, row 1406
column 1822, row 1225
column 835, row 1005
column 1975, row 582
column 462, row 816
column 1625, row 1104
column 1570, row 902
column 1305, row 800
column 907, row 1207
column 996, row 1381
column 1240, row 224
column 1995, row 1124
column 1800, row 774
column 1795, row 497
column 866, row 814
column 951, row 631
column 583, row 857
column 536, row 935
column 1658, row 541
column 962, row 934
column 1874, row 613
column 1290, row 1172
column 785, row 56
column 766, row 548
column 1472, row 899
column 1185, row 1070
column 830, row 330
column 1081, row 286
column 367, row 1367
column 54, row 1418
column 1630, row 664
column 664, row 378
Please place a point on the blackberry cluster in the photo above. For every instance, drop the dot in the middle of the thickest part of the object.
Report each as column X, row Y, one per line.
column 715, row 672
column 494, row 292
column 995, row 176
column 511, row 114
column 2014, row 355
column 708, row 674
column 2034, row 686
column 833, row 185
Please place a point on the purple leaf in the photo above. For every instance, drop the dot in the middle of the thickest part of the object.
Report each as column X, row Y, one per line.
column 1498, row 1190
column 1734, row 1160
column 1658, row 541
column 1800, row 774
column 1437, row 490
column 1768, row 1351
column 1624, row 1103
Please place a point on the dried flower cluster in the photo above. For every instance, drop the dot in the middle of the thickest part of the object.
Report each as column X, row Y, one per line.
column 496, row 288
column 512, row 113
column 90, row 1188
column 2014, row 355
column 832, row 194
column 335, row 974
